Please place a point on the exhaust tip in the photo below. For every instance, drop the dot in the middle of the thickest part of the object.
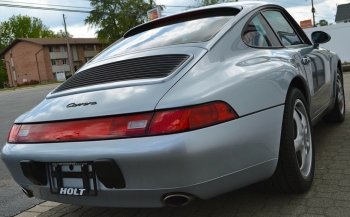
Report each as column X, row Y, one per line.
column 27, row 192
column 177, row 199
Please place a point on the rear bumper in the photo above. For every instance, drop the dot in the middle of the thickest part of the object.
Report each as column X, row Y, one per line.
column 204, row 163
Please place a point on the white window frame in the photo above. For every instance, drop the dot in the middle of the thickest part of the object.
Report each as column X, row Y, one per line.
column 62, row 48
column 64, row 61
column 53, row 62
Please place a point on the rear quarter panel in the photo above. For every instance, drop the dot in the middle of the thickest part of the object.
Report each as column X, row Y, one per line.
column 249, row 79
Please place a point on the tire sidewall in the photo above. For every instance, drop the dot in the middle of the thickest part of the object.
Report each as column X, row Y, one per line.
column 337, row 88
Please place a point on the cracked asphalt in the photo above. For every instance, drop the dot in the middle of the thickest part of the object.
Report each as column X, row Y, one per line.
column 328, row 196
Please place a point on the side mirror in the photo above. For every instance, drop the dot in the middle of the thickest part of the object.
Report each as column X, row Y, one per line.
column 320, row 37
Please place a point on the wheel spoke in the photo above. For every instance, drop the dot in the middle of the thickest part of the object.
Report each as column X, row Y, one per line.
column 303, row 121
column 304, row 161
column 298, row 122
column 298, row 143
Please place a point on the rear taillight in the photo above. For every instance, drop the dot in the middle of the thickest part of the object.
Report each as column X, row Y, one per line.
column 153, row 123
column 13, row 133
column 184, row 119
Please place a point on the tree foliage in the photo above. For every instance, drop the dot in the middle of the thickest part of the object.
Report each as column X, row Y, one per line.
column 323, row 23
column 200, row 3
column 62, row 34
column 23, row 27
column 113, row 18
column 3, row 73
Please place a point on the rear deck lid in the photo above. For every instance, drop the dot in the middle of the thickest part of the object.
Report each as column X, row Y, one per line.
column 92, row 98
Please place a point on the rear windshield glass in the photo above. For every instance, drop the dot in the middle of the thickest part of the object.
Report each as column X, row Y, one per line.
column 198, row 30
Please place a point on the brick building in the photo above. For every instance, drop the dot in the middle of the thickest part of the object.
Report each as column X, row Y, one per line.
column 43, row 58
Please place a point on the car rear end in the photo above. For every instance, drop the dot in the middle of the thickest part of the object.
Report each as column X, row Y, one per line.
column 99, row 139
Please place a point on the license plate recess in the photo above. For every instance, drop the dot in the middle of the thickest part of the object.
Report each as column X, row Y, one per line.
column 72, row 178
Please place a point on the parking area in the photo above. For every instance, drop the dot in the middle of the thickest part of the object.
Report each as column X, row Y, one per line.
column 329, row 195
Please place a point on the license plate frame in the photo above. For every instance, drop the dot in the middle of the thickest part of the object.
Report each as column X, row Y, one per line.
column 87, row 175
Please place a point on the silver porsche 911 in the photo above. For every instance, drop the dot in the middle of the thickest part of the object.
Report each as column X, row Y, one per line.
column 190, row 105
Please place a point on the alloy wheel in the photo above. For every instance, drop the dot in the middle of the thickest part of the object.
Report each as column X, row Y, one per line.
column 302, row 139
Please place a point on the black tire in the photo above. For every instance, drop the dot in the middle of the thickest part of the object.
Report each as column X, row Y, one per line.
column 294, row 174
column 337, row 114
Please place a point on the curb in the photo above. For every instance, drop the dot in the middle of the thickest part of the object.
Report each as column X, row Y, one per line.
column 38, row 209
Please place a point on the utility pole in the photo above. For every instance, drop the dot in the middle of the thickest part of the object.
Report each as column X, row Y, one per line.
column 313, row 12
column 68, row 46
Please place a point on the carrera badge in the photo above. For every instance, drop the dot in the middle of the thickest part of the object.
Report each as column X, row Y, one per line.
column 80, row 104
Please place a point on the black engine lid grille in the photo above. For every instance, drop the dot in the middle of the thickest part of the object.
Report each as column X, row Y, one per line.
column 149, row 67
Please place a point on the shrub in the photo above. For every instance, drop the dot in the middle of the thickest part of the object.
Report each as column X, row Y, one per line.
column 31, row 82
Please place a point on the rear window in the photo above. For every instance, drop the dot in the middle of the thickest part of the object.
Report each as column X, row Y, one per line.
column 197, row 30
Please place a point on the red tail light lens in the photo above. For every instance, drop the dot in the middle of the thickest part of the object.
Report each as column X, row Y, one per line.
column 79, row 130
column 185, row 119
column 13, row 133
column 161, row 122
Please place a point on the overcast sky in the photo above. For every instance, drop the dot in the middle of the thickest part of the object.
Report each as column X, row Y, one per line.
column 299, row 9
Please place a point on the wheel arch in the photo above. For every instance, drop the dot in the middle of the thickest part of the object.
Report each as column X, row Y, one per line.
column 300, row 83
column 334, row 88
column 339, row 66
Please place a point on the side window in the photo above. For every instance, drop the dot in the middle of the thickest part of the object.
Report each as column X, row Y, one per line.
column 255, row 35
column 282, row 28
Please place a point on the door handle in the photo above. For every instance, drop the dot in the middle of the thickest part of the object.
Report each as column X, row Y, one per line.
column 305, row 60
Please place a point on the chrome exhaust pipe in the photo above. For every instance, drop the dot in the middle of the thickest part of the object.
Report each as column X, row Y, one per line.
column 27, row 192
column 177, row 199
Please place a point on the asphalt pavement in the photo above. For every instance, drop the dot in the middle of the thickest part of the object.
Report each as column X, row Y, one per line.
column 12, row 104
column 328, row 196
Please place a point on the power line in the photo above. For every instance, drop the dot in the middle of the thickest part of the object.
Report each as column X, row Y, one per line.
column 43, row 8
column 90, row 9
column 64, row 6
column 62, row 9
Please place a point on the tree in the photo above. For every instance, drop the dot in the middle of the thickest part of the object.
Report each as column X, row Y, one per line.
column 322, row 23
column 23, row 27
column 62, row 34
column 114, row 17
column 3, row 73
column 200, row 3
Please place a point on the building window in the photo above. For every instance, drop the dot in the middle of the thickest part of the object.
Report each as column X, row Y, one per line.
column 64, row 61
column 85, row 47
column 95, row 47
column 62, row 48
column 87, row 59
column 51, row 49
column 53, row 62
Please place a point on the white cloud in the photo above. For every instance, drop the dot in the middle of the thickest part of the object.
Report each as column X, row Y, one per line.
column 78, row 31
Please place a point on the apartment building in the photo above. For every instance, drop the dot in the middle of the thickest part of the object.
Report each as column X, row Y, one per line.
column 43, row 59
